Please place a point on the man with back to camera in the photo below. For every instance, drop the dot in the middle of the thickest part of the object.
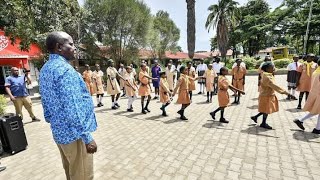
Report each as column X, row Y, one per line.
column 16, row 88
column 68, row 107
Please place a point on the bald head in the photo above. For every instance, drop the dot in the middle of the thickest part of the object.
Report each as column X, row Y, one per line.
column 61, row 43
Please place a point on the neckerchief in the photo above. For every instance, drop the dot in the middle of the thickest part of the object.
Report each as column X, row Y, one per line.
column 317, row 71
column 308, row 65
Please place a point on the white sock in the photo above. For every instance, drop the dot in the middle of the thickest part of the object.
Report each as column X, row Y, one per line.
column 101, row 98
column 318, row 123
column 112, row 104
column 309, row 115
column 98, row 100
column 129, row 102
column 293, row 92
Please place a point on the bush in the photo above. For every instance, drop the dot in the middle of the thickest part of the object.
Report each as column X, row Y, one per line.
column 250, row 62
column 282, row 63
column 3, row 105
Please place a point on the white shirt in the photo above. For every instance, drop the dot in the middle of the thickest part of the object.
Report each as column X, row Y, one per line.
column 216, row 67
column 122, row 71
column 172, row 69
column 242, row 64
column 202, row 67
column 293, row 66
column 178, row 67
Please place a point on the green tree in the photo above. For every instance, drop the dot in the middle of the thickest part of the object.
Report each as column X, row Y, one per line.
column 221, row 18
column 122, row 25
column 214, row 43
column 166, row 32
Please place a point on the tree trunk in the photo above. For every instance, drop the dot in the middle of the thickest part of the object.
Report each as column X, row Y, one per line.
column 191, row 27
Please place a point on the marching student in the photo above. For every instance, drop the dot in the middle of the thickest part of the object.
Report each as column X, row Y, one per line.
column 216, row 67
column 165, row 93
column 268, row 101
column 313, row 103
column 113, row 87
column 209, row 75
column 145, row 88
column 223, row 95
column 238, row 78
column 122, row 72
column 292, row 77
column 87, row 77
column 171, row 75
column 183, row 94
column 191, row 72
column 97, row 76
column 305, row 71
column 131, row 87
column 201, row 68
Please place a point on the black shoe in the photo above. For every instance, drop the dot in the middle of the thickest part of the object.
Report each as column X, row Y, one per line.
column 299, row 124
column 288, row 98
column 299, row 107
column 200, row 92
column 213, row 115
column 234, row 102
column 208, row 101
column 161, row 108
column 99, row 105
column 155, row 98
column 35, row 119
column 129, row 110
column 143, row 112
column 117, row 105
column 254, row 119
column 315, row 131
column 294, row 98
column 123, row 95
column 146, row 109
column 114, row 107
column 183, row 118
column 164, row 114
column 266, row 126
column 223, row 120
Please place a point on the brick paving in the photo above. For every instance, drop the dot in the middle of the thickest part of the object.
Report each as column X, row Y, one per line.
column 136, row 146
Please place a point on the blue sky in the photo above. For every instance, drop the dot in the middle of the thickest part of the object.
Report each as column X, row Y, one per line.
column 178, row 12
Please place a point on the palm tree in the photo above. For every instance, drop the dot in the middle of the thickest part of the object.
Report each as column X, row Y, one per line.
column 191, row 27
column 221, row 18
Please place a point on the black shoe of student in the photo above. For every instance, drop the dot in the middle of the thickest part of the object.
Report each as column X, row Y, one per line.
column 266, row 126
column 155, row 98
column 213, row 115
column 315, row 131
column 116, row 104
column 294, row 98
column 143, row 112
column 208, row 101
column 35, row 119
column 288, row 98
column 129, row 110
column 299, row 107
column 299, row 124
column 123, row 95
column 146, row 109
column 223, row 120
column 161, row 108
column 183, row 118
column 234, row 102
column 99, row 105
column 164, row 114
column 180, row 112
column 114, row 107
column 254, row 119
column 200, row 92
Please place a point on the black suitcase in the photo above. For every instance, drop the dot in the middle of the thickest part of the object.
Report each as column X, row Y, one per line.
column 12, row 134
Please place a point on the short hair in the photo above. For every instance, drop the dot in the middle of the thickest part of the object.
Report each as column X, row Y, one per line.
column 128, row 67
column 162, row 73
column 182, row 68
column 142, row 65
column 223, row 69
column 53, row 38
column 266, row 65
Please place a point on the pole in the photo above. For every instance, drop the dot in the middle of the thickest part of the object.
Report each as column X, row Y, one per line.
column 308, row 26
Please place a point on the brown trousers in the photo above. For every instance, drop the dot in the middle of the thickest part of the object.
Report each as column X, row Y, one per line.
column 77, row 163
column 26, row 102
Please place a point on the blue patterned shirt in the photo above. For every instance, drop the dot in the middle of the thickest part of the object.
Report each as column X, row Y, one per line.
column 67, row 104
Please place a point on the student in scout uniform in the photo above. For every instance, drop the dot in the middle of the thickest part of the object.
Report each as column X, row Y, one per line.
column 223, row 95
column 268, row 101
column 131, row 87
column 183, row 94
column 122, row 72
column 191, row 72
column 97, row 76
column 305, row 71
column 171, row 75
column 165, row 93
column 113, row 87
column 313, row 103
column 145, row 88
column 209, row 75
column 292, row 77
column 238, row 79
column 216, row 67
column 87, row 77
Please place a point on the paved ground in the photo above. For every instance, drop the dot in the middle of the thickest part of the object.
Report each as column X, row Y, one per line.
column 136, row 146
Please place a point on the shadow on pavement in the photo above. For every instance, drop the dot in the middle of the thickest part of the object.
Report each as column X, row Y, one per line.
column 304, row 136
column 155, row 117
column 215, row 124
column 203, row 102
column 120, row 112
column 253, row 107
column 254, row 99
column 293, row 110
column 256, row 130
column 173, row 121
column 103, row 110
